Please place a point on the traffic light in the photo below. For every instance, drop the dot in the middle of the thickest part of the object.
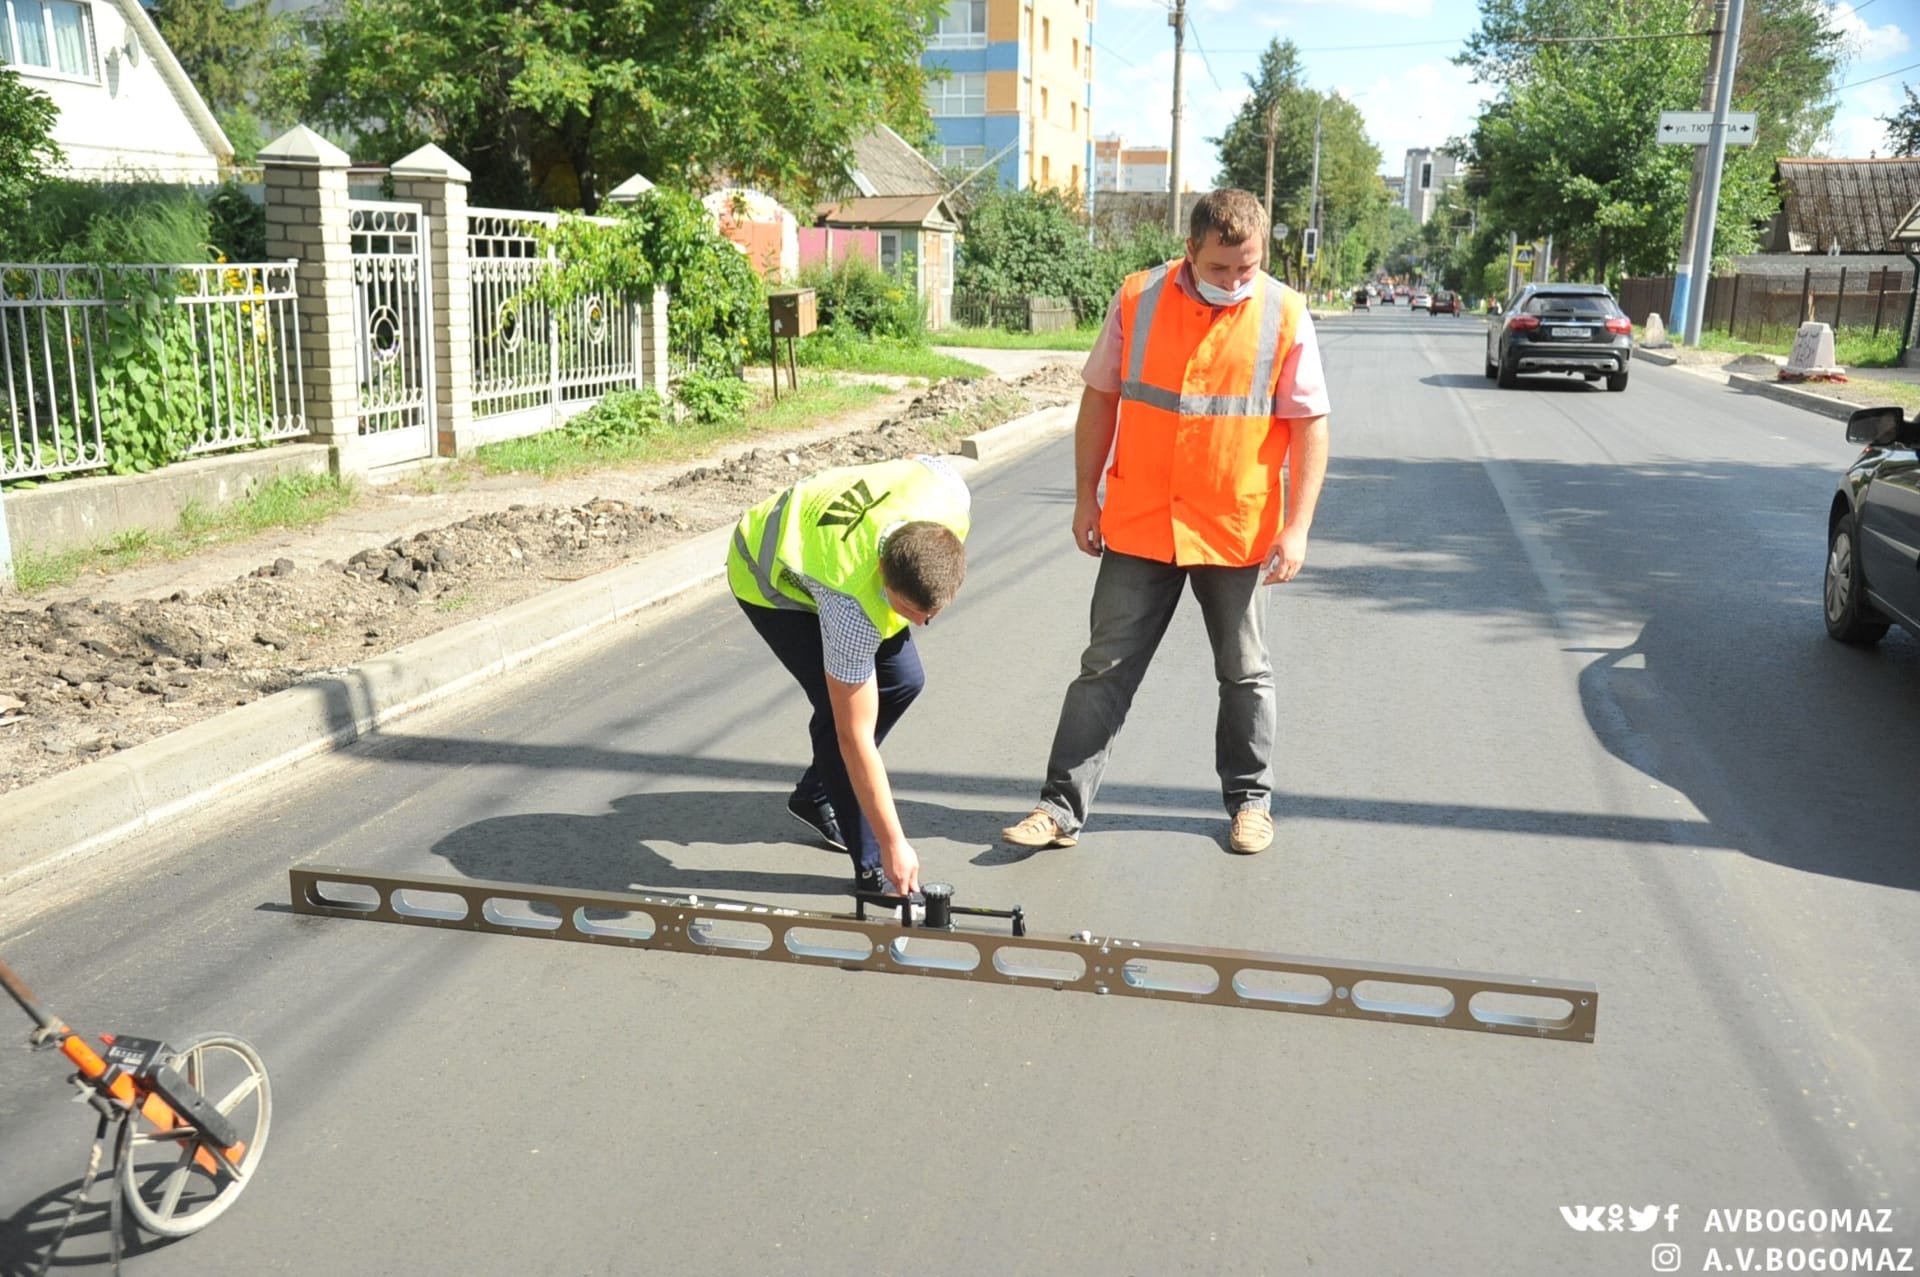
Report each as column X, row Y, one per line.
column 1310, row 242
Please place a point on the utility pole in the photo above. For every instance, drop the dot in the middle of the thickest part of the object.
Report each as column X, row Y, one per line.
column 1716, row 158
column 1178, row 21
column 1266, row 249
column 1313, row 189
column 1683, row 269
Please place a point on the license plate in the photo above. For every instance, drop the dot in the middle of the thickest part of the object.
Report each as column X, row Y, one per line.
column 1568, row 332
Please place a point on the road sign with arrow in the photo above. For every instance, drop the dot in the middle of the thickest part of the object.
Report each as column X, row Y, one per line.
column 1695, row 128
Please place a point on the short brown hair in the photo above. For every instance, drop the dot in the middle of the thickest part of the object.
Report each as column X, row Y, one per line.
column 1230, row 212
column 925, row 562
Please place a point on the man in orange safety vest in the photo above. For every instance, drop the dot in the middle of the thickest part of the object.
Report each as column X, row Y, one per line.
column 1203, row 385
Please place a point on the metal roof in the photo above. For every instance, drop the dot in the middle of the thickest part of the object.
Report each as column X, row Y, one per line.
column 1856, row 204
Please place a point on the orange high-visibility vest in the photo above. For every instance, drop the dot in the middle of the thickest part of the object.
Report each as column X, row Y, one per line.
column 1195, row 477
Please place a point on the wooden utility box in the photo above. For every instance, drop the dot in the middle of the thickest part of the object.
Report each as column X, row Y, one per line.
column 793, row 312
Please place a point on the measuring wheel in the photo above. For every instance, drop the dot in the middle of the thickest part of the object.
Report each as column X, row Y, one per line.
column 175, row 1186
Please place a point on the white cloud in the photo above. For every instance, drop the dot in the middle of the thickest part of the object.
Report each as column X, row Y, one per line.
column 1868, row 44
column 1420, row 106
column 1857, row 131
column 1137, row 103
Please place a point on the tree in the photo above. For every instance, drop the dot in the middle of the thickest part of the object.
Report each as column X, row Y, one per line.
column 27, row 153
column 1033, row 243
column 1568, row 149
column 247, row 63
column 1349, row 162
column 553, row 100
column 1903, row 126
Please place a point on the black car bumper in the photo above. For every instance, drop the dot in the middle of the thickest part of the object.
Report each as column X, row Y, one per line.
column 1543, row 357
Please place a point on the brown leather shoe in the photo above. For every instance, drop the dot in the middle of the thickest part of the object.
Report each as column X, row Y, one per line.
column 1039, row 829
column 1252, row 831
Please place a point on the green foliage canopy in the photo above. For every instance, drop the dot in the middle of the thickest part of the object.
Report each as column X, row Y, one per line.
column 555, row 101
column 1903, row 126
column 249, row 64
column 1569, row 149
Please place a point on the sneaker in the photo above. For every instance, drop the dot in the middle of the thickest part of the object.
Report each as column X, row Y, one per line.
column 1252, row 831
column 819, row 817
column 1039, row 829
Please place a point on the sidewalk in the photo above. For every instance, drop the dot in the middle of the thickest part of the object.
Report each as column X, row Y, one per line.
column 118, row 701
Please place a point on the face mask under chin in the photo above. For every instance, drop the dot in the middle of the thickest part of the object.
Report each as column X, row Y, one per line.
column 1219, row 296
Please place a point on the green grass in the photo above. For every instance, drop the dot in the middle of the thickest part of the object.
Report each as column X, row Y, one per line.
column 879, row 355
column 1000, row 339
column 1852, row 347
column 289, row 501
column 558, row 454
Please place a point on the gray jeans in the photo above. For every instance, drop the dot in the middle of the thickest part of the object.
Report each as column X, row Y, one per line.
column 1133, row 602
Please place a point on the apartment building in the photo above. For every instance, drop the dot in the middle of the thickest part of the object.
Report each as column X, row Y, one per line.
column 1424, row 176
column 1119, row 167
column 1017, row 91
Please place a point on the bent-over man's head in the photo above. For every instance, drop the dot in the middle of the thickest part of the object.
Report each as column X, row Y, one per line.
column 1225, row 236
column 922, row 565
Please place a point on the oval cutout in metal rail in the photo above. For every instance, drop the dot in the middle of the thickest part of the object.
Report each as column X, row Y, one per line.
column 1294, row 988
column 1521, row 1010
column 412, row 902
column 1390, row 997
column 936, row 955
column 343, row 895
column 730, row 933
column 1166, row 976
column 829, row 943
column 1054, row 965
column 625, row 924
column 509, row 911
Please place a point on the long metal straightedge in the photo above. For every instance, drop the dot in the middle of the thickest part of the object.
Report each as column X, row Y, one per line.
column 1082, row 963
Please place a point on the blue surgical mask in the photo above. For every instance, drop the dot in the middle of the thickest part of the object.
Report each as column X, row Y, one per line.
column 1220, row 296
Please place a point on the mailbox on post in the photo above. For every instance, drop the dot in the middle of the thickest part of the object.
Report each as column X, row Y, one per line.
column 791, row 313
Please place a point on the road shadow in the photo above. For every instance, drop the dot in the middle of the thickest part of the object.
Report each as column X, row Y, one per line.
column 28, row 1234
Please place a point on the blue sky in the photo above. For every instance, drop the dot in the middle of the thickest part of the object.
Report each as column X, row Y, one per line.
column 1391, row 57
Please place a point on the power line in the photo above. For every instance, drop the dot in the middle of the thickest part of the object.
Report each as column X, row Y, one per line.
column 1114, row 53
column 1204, row 60
column 1870, row 79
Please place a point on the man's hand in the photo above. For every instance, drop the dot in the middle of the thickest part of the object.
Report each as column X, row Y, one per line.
column 1287, row 556
column 1086, row 526
column 902, row 864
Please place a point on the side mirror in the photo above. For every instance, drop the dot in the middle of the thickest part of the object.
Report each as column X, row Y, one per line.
column 1875, row 427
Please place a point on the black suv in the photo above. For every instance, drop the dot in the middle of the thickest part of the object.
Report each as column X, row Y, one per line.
column 1873, row 531
column 1575, row 328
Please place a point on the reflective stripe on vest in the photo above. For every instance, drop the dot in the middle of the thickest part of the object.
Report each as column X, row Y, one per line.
column 1197, row 459
column 830, row 527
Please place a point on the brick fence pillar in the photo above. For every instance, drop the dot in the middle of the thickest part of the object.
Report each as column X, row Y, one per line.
column 437, row 182
column 306, row 198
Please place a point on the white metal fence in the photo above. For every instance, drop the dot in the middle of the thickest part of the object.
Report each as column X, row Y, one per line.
column 529, row 355
column 168, row 360
column 392, row 319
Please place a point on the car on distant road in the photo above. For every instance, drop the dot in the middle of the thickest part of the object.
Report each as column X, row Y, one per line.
column 1422, row 300
column 1386, row 297
column 1576, row 328
column 1360, row 299
column 1444, row 303
column 1873, row 531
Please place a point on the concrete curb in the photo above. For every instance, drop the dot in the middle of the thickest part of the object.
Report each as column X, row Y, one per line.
column 1790, row 394
column 62, row 819
column 1655, row 357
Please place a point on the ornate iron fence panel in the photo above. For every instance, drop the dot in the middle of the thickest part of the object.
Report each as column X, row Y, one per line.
column 146, row 360
column 392, row 326
column 527, row 352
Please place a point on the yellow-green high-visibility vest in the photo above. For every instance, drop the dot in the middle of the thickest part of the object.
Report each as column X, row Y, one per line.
column 829, row 529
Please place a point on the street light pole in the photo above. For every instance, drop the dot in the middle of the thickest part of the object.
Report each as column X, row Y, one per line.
column 1266, row 249
column 1716, row 160
column 1709, row 93
column 1178, row 20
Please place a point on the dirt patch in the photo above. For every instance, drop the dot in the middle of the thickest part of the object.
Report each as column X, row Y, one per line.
column 86, row 677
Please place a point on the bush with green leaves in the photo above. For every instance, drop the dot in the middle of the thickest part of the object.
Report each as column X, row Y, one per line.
column 711, row 397
column 620, row 417
column 1033, row 243
column 858, row 296
column 27, row 153
column 665, row 238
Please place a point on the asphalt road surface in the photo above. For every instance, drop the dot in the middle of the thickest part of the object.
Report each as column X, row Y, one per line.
column 1555, row 700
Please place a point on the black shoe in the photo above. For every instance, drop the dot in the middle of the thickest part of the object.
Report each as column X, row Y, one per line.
column 818, row 817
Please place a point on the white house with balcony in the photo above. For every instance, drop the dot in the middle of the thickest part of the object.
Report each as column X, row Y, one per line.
column 127, row 110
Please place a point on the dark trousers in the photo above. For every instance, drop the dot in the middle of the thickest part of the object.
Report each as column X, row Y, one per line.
column 795, row 639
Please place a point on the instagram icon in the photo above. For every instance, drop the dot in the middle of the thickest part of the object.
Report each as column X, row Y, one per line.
column 1666, row 1258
